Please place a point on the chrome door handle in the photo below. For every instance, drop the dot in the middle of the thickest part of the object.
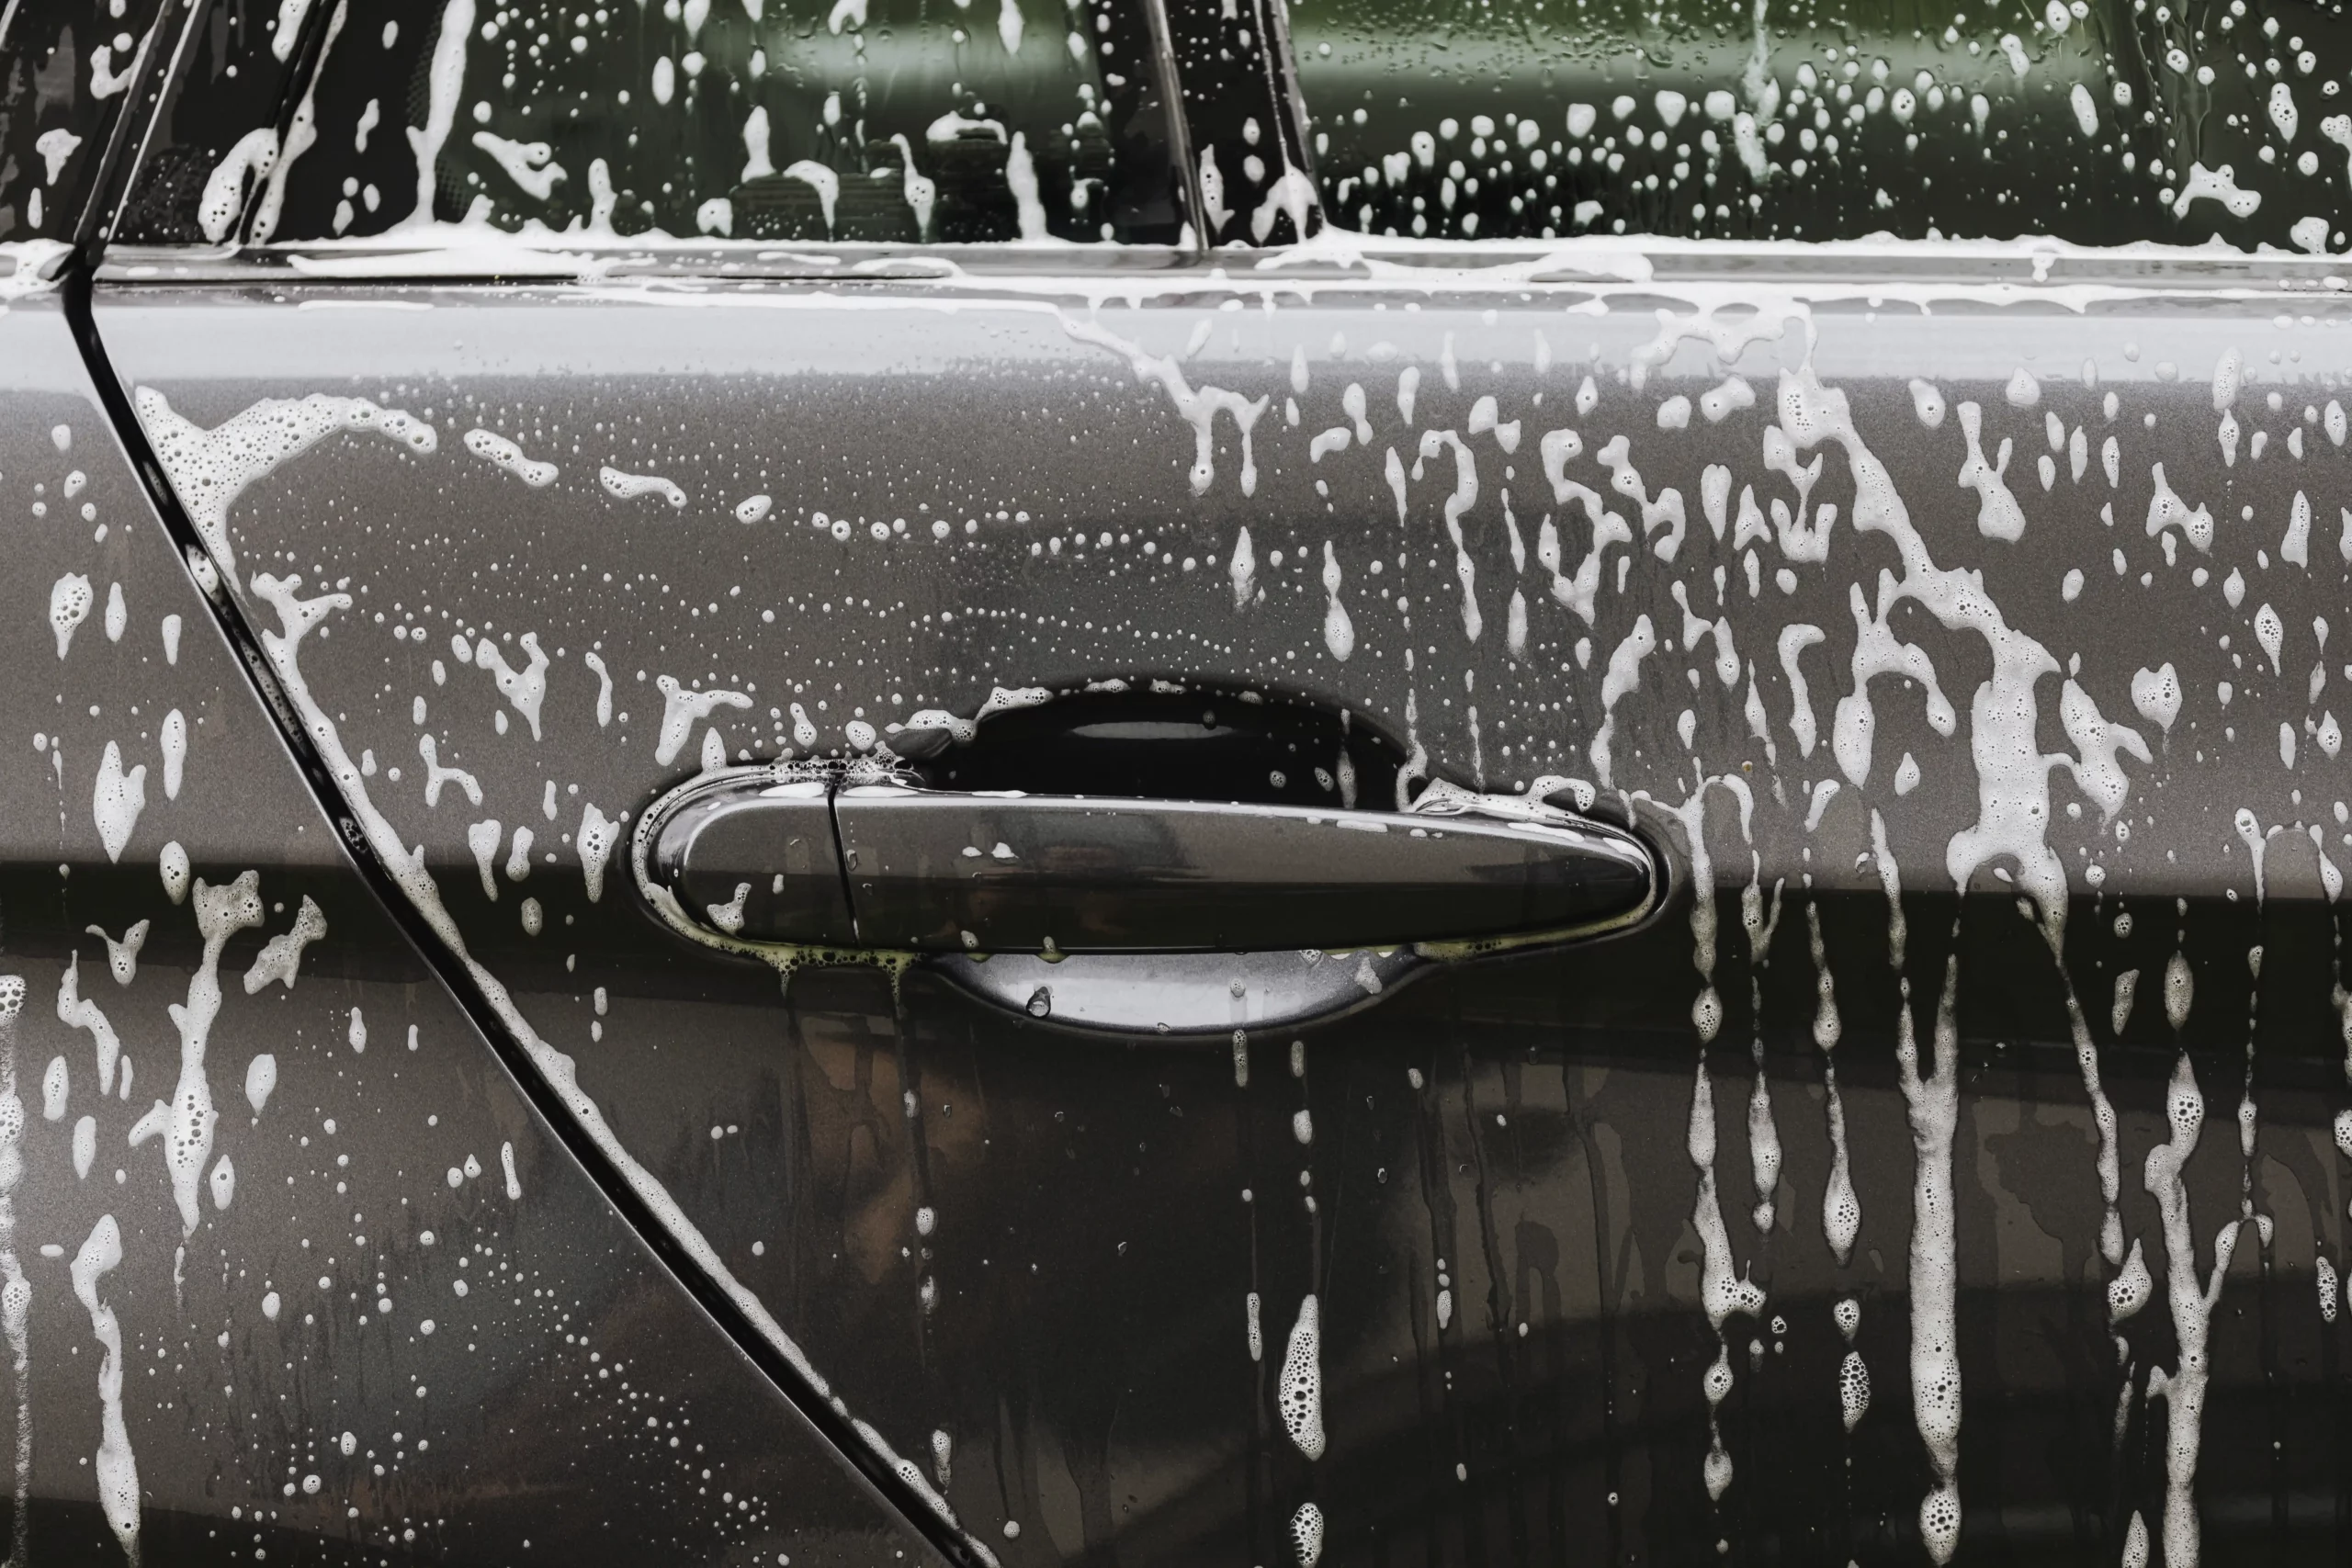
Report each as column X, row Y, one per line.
column 751, row 858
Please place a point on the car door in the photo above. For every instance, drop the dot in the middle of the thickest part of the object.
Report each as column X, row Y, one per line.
column 964, row 1244
column 1822, row 1216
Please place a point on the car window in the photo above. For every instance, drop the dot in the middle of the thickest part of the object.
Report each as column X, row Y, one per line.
column 66, row 73
column 857, row 121
column 2089, row 120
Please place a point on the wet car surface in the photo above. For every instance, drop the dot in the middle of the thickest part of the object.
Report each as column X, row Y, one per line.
column 1878, row 476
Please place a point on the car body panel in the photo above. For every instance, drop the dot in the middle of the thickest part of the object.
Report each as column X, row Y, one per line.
column 1544, row 1103
column 1872, row 1200
column 367, row 1302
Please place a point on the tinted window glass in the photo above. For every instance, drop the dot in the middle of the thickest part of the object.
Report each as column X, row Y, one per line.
column 875, row 120
column 66, row 73
column 2100, row 122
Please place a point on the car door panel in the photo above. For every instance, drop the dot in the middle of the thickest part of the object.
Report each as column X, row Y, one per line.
column 305, row 1274
column 1611, row 1054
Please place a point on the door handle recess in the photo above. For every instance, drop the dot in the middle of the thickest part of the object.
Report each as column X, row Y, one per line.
column 750, row 858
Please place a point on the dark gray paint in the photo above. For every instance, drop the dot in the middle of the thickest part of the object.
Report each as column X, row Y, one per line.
column 1074, row 1322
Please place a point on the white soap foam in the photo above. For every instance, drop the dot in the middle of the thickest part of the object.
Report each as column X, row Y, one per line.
column 444, row 84
column 173, row 740
column 532, row 167
column 623, row 486
column 494, row 448
column 69, row 599
column 75, row 1011
column 1932, row 1103
column 1199, row 409
column 1998, row 516
column 118, row 1467
column 683, row 709
column 56, row 1083
column 523, row 689
column 1464, row 496
column 1299, row 1393
column 2191, row 1302
column 186, row 1123
column 1795, row 638
column 16, row 1290
column 210, row 468
column 122, row 957
column 117, row 799
column 261, row 1076
column 280, row 958
column 1339, row 631
column 1307, row 1535
column 436, row 776
column 1623, row 675
column 604, row 688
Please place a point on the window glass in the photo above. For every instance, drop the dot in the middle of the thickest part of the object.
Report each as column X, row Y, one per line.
column 855, row 121
column 66, row 73
column 2098, row 121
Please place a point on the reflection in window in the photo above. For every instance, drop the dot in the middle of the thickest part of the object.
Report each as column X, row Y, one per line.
column 2098, row 121
column 853, row 121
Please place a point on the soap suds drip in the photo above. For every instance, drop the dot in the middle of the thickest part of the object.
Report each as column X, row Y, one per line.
column 118, row 1467
column 282, row 647
column 1464, row 496
column 302, row 131
column 1721, row 1291
column 210, row 468
column 16, row 1290
column 2087, row 1061
column 117, row 800
column 1853, row 1373
column 2012, row 772
column 280, row 958
column 76, row 1011
column 1706, row 1010
column 2191, row 1303
column 1842, row 1208
column 523, row 689
column 1933, row 1106
column 1198, row 408
column 1339, row 631
column 683, row 709
column 435, row 776
column 1763, row 1131
column 1999, row 515
column 445, row 81
column 1580, row 592
column 1300, row 1392
column 186, row 1123
column 1623, row 675
column 494, row 448
column 1877, row 651
column 2247, row 1119
column 1307, row 1535
column 604, row 689
column 623, row 486
column 1795, row 638
column 598, row 833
